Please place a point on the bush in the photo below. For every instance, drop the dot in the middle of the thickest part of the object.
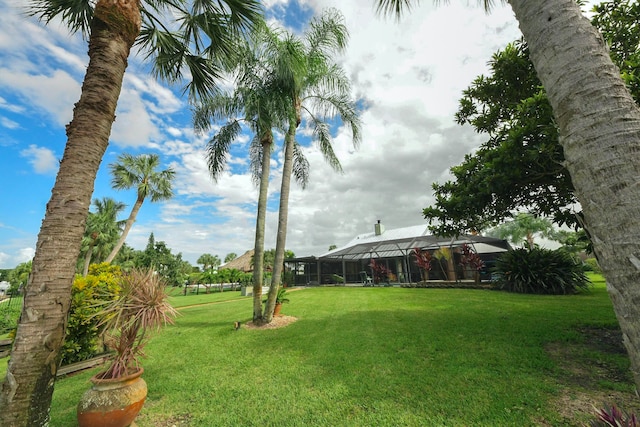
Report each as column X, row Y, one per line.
column 83, row 333
column 539, row 271
column 9, row 314
column 614, row 417
column 591, row 264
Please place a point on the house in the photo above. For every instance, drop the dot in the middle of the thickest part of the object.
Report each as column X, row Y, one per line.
column 393, row 248
column 4, row 288
column 243, row 263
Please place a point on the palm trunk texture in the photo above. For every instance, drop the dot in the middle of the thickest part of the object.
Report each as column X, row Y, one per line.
column 258, row 251
column 283, row 216
column 26, row 392
column 127, row 228
column 599, row 127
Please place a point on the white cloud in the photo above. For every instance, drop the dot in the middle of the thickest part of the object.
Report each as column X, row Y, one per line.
column 409, row 75
column 42, row 159
column 8, row 123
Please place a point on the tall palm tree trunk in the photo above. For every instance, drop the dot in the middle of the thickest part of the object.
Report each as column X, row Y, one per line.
column 258, row 252
column 26, row 392
column 283, row 216
column 599, row 127
column 127, row 228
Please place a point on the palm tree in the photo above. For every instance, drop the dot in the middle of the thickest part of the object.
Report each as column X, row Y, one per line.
column 103, row 229
column 598, row 123
column 208, row 261
column 523, row 228
column 139, row 172
column 319, row 91
column 260, row 103
column 198, row 41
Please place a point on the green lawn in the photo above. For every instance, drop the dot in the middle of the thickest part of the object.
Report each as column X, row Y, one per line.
column 372, row 356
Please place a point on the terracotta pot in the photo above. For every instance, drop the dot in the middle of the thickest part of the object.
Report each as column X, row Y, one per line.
column 277, row 309
column 112, row 402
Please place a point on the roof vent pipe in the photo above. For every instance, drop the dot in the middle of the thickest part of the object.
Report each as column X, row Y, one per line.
column 379, row 228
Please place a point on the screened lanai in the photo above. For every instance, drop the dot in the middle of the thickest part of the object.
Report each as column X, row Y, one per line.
column 393, row 248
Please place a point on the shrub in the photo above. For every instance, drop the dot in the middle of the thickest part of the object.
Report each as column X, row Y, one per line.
column 9, row 314
column 591, row 264
column 539, row 271
column 87, row 294
column 614, row 417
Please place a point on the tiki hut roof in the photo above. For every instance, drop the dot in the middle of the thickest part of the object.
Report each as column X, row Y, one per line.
column 243, row 263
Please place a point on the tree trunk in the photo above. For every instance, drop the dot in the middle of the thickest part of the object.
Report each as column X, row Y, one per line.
column 599, row 127
column 127, row 228
column 26, row 392
column 87, row 260
column 258, row 252
column 283, row 216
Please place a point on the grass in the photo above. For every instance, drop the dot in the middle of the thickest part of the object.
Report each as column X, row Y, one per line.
column 377, row 356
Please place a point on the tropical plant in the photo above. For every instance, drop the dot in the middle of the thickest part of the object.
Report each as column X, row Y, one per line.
column 380, row 271
column 320, row 92
column 88, row 293
column 471, row 259
column 260, row 103
column 103, row 229
column 423, row 260
column 280, row 297
column 179, row 38
column 140, row 308
column 208, row 261
column 598, row 122
column 445, row 254
column 139, row 172
column 539, row 271
column 523, row 228
column 612, row 416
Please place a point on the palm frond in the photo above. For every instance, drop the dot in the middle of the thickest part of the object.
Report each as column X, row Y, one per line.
column 76, row 14
column 218, row 148
column 301, row 166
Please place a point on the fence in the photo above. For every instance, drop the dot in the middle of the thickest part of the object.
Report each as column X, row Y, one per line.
column 9, row 313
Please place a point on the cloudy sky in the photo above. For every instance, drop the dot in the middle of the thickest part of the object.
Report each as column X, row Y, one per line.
column 407, row 75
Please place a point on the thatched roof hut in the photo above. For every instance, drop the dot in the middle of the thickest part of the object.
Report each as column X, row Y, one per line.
column 243, row 263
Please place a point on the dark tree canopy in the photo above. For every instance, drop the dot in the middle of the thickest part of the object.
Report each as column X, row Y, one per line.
column 520, row 166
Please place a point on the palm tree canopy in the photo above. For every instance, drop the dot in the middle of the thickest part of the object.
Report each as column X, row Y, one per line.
column 140, row 172
column 180, row 37
column 398, row 7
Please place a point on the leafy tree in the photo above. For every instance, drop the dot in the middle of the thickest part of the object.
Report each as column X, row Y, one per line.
column 19, row 276
column 523, row 228
column 598, row 122
column 103, row 229
column 198, row 38
column 209, row 261
column 320, row 92
column 230, row 257
column 521, row 166
column 574, row 242
column 139, row 172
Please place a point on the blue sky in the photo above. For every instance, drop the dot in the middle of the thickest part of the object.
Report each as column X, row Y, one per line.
column 408, row 77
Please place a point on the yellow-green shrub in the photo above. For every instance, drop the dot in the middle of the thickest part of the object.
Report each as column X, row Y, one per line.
column 87, row 299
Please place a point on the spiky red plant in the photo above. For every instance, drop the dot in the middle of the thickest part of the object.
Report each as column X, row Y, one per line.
column 141, row 307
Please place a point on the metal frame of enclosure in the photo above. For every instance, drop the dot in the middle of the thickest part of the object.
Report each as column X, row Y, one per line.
column 394, row 249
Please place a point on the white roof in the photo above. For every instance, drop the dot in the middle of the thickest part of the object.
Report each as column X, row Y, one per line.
column 400, row 242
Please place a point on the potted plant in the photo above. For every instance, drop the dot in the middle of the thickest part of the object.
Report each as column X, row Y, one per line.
column 280, row 299
column 119, row 392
